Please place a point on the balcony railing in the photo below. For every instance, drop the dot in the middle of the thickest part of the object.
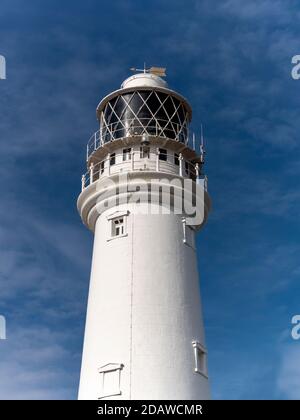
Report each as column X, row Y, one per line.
column 137, row 127
column 133, row 161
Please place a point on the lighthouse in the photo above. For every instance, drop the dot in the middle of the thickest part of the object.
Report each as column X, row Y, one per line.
column 144, row 336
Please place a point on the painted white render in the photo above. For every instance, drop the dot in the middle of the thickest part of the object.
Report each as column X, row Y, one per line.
column 144, row 336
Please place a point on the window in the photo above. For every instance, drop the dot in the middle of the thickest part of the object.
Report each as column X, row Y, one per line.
column 176, row 159
column 118, row 227
column 147, row 110
column 188, row 234
column 102, row 167
column 110, row 379
column 187, row 167
column 163, row 154
column 127, row 154
column 200, row 358
column 144, row 152
column 112, row 159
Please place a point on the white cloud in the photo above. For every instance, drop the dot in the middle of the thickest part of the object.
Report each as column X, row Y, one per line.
column 32, row 364
column 259, row 9
column 288, row 380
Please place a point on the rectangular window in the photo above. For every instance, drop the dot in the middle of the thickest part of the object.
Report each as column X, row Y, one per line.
column 144, row 152
column 112, row 159
column 110, row 377
column 200, row 358
column 102, row 167
column 127, row 154
column 163, row 155
column 188, row 234
column 176, row 159
column 118, row 227
column 187, row 167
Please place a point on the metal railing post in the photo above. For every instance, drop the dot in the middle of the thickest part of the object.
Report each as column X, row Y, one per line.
column 157, row 159
column 197, row 171
column 91, row 173
column 108, row 164
column 82, row 182
column 180, row 164
column 187, row 136
column 101, row 135
column 132, row 160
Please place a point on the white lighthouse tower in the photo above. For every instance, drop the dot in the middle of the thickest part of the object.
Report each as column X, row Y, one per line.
column 144, row 336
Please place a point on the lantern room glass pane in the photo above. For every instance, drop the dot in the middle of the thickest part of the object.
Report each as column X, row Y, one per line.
column 152, row 112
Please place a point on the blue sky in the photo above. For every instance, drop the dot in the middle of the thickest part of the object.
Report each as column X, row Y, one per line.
column 232, row 60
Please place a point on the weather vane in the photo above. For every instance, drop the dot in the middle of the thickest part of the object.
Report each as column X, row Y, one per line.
column 158, row 71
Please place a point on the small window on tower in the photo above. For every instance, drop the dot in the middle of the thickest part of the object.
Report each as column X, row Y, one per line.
column 200, row 354
column 187, row 168
column 163, row 154
column 118, row 227
column 144, row 152
column 117, row 224
column 102, row 167
column 110, row 380
column 176, row 159
column 112, row 159
column 127, row 154
column 188, row 234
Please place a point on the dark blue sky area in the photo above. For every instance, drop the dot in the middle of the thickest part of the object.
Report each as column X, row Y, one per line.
column 232, row 60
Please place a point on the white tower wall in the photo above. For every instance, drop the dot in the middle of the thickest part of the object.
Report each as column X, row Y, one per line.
column 144, row 336
column 144, row 311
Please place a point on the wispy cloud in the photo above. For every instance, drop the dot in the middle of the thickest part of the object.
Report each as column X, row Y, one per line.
column 288, row 380
column 33, row 365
